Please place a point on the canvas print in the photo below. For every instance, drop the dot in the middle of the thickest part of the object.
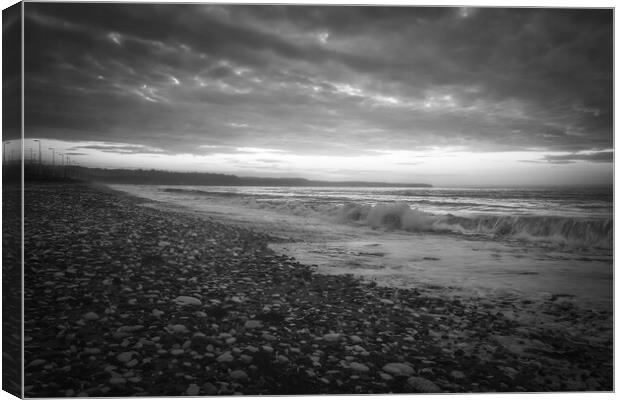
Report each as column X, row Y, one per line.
column 224, row 200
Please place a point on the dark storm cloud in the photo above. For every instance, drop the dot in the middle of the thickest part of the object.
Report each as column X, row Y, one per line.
column 323, row 80
column 598, row 157
column 603, row 156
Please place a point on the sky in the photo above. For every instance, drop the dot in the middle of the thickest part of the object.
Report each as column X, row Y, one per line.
column 443, row 95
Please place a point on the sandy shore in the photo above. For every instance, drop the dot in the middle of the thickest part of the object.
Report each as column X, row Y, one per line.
column 122, row 300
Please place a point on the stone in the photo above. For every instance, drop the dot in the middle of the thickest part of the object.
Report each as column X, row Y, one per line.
column 118, row 380
column 209, row 389
column 253, row 324
column 193, row 390
column 398, row 369
column 356, row 339
column 331, row 337
column 187, row 301
column 238, row 375
column 359, row 367
column 91, row 316
column 385, row 377
column 422, row 385
column 37, row 362
column 178, row 328
column 225, row 357
column 125, row 356
column 457, row 374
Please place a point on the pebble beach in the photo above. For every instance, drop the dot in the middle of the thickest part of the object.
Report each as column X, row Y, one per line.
column 123, row 298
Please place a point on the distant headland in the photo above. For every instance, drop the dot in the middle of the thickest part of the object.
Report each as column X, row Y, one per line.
column 160, row 177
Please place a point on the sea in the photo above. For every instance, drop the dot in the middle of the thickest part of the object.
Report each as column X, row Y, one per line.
column 531, row 243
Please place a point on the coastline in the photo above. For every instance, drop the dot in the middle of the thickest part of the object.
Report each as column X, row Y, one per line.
column 105, row 315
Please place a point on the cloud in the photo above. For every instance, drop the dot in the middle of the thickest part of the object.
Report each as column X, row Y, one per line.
column 119, row 148
column 320, row 80
column 606, row 156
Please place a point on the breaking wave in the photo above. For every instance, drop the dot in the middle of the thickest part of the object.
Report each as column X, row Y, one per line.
column 400, row 216
column 561, row 230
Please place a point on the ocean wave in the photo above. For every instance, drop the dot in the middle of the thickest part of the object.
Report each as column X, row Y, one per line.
column 560, row 230
column 572, row 231
column 403, row 216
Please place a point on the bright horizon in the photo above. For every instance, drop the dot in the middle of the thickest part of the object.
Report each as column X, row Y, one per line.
column 445, row 96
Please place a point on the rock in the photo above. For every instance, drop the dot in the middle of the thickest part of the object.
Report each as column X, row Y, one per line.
column 422, row 385
column 225, row 357
column 269, row 337
column 157, row 313
column 163, row 244
column 332, row 337
column 177, row 352
column 37, row 362
column 457, row 374
column 91, row 316
column 187, row 301
column 253, row 324
column 356, row 339
column 118, row 380
column 178, row 328
column 359, row 367
column 125, row 356
column 385, row 377
column 193, row 390
column 209, row 389
column 238, row 375
column 398, row 369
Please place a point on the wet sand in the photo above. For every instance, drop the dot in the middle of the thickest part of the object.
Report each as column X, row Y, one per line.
column 123, row 299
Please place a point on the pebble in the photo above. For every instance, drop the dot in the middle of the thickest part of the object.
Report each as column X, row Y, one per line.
column 193, row 390
column 359, row 367
column 187, row 301
column 356, row 339
column 398, row 369
column 253, row 324
column 179, row 328
column 238, row 375
column 91, row 316
column 118, row 380
column 457, row 374
column 385, row 377
column 423, row 385
column 331, row 337
column 37, row 362
column 209, row 389
column 125, row 356
column 225, row 357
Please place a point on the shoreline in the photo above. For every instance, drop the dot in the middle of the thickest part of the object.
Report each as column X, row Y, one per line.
column 117, row 276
